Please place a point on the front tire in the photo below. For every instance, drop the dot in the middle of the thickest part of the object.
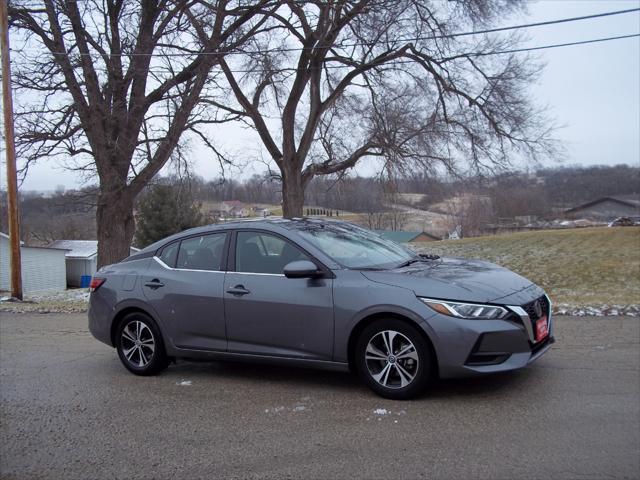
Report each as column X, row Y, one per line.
column 139, row 345
column 394, row 359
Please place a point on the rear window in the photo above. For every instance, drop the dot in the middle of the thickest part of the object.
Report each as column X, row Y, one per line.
column 201, row 253
column 170, row 254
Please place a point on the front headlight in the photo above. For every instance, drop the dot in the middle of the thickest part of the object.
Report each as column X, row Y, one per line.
column 476, row 311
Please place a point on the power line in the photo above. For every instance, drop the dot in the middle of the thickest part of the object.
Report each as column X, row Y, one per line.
column 472, row 54
column 557, row 45
column 537, row 24
column 404, row 40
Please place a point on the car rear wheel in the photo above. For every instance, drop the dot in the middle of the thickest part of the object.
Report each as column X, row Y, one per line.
column 394, row 359
column 140, row 346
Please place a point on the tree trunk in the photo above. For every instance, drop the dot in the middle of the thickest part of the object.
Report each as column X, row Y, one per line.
column 292, row 193
column 116, row 226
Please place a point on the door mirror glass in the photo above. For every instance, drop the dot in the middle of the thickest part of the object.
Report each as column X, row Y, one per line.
column 301, row 269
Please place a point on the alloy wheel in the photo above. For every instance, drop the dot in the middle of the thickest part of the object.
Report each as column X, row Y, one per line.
column 138, row 343
column 392, row 359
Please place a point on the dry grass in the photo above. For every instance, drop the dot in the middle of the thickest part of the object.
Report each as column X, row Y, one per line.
column 589, row 266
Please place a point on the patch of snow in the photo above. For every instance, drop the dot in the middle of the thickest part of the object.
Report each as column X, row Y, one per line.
column 184, row 383
column 8, row 299
column 274, row 410
column 597, row 310
column 381, row 411
column 71, row 294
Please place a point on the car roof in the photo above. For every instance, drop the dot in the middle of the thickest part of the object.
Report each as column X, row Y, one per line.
column 270, row 224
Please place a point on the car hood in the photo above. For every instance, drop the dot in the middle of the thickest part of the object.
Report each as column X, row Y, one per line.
column 459, row 279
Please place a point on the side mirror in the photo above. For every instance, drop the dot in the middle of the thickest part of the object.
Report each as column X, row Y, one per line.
column 301, row 269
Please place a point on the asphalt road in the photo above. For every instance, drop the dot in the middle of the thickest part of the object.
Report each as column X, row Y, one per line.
column 70, row 410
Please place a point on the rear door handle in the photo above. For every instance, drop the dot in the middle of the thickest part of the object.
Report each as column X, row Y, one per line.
column 155, row 283
column 238, row 290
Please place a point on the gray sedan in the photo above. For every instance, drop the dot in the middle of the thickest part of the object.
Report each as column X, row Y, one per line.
column 317, row 293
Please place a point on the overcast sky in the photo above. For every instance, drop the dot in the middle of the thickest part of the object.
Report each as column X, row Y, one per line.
column 593, row 90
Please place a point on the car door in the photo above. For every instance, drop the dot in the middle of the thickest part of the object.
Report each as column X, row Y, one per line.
column 269, row 314
column 184, row 285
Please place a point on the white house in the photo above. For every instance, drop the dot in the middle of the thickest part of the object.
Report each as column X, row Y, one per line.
column 81, row 258
column 236, row 209
column 43, row 269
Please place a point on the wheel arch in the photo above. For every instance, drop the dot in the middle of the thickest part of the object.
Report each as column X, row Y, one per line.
column 369, row 319
column 117, row 318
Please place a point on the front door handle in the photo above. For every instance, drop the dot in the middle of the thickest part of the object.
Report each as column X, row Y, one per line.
column 155, row 283
column 238, row 290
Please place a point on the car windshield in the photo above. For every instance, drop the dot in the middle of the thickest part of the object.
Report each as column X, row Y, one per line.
column 355, row 247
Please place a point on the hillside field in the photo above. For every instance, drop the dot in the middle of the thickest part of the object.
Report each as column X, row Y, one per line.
column 577, row 267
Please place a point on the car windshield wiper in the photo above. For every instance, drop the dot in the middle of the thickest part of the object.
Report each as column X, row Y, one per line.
column 423, row 257
column 409, row 262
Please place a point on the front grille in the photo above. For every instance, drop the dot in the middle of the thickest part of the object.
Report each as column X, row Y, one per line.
column 531, row 310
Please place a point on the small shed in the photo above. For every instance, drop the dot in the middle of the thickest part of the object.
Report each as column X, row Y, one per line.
column 81, row 258
column 406, row 237
column 43, row 269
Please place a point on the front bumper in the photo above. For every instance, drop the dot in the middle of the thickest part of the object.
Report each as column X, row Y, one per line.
column 475, row 347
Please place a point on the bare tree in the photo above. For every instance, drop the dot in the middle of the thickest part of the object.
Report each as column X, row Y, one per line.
column 109, row 86
column 469, row 214
column 336, row 82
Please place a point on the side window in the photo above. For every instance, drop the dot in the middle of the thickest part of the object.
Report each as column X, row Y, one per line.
column 201, row 253
column 169, row 254
column 264, row 253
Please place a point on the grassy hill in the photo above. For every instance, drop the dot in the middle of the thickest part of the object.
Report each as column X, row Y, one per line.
column 588, row 266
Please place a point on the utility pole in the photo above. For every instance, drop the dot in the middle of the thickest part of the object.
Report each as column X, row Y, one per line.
column 12, row 176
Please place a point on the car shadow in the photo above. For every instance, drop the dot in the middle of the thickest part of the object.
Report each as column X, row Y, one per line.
column 483, row 386
column 231, row 370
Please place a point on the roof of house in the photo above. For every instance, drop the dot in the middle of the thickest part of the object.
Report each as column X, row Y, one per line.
column 22, row 245
column 7, row 237
column 626, row 200
column 79, row 248
column 402, row 237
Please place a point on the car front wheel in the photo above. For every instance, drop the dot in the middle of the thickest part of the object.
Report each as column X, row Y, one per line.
column 140, row 346
column 394, row 359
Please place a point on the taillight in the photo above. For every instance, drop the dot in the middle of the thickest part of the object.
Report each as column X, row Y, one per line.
column 96, row 283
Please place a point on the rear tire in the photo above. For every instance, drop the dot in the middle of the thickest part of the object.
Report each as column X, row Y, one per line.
column 394, row 359
column 139, row 345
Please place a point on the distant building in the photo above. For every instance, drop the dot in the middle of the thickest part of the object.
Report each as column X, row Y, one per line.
column 43, row 269
column 455, row 234
column 607, row 208
column 406, row 237
column 262, row 212
column 235, row 209
column 81, row 259
column 229, row 209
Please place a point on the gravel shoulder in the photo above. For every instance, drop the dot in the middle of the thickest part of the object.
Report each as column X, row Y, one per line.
column 70, row 410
